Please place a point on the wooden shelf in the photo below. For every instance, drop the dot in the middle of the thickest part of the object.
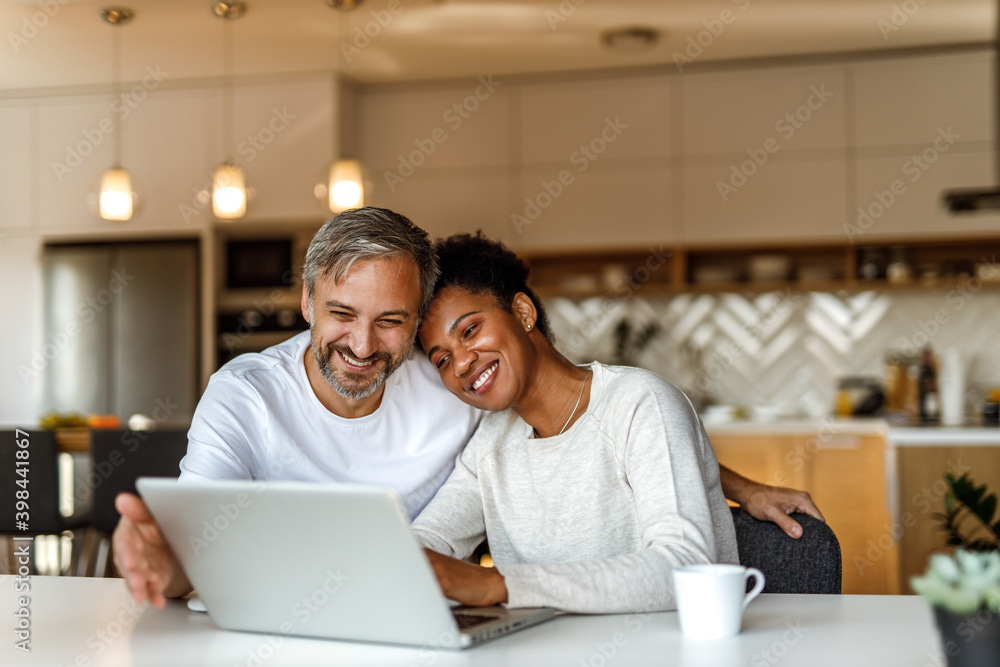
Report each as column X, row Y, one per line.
column 821, row 267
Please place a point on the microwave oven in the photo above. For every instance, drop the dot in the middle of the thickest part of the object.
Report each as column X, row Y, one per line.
column 259, row 263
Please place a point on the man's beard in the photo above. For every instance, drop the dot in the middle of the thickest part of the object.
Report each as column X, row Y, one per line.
column 358, row 387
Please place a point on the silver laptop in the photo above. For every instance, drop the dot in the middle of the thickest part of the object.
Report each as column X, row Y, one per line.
column 316, row 560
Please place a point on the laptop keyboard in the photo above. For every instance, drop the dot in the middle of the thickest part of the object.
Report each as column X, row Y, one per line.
column 466, row 621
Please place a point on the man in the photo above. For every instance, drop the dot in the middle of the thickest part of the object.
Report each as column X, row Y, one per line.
column 344, row 402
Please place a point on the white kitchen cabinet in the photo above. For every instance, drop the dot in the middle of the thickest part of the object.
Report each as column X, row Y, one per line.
column 285, row 142
column 74, row 148
column 22, row 347
column 900, row 196
column 166, row 146
column 738, row 110
column 170, row 142
column 618, row 206
column 632, row 115
column 16, row 131
column 448, row 201
column 786, row 199
column 464, row 124
column 905, row 101
column 173, row 139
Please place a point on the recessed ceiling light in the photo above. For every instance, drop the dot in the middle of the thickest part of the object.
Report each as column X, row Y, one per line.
column 636, row 38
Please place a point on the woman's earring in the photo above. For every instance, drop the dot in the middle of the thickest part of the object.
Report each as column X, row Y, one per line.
column 529, row 327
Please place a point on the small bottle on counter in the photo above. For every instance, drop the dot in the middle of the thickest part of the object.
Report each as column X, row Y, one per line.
column 895, row 381
column 930, row 403
column 912, row 393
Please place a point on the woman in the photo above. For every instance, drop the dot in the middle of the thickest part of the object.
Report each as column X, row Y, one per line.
column 592, row 483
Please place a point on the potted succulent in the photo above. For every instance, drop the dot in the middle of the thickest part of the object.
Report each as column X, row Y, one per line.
column 964, row 588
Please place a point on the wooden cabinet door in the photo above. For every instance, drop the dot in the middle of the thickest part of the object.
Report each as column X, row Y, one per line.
column 846, row 476
column 768, row 459
column 922, row 489
column 848, row 484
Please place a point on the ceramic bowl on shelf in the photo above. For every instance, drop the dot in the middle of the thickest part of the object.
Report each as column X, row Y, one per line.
column 769, row 267
column 715, row 274
column 816, row 274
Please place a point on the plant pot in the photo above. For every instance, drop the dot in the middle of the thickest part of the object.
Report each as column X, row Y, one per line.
column 969, row 640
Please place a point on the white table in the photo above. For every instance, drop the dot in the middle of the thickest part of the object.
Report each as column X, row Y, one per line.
column 77, row 621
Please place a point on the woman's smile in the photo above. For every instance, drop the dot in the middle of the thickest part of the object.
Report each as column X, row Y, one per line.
column 482, row 380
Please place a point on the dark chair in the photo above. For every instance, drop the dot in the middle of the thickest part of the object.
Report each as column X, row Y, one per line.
column 34, row 475
column 118, row 459
column 810, row 564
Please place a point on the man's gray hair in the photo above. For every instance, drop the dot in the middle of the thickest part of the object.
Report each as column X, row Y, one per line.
column 369, row 233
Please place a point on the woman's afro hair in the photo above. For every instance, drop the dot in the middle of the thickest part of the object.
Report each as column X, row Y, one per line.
column 480, row 265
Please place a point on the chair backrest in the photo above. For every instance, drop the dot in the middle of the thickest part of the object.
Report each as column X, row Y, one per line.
column 810, row 564
column 121, row 457
column 40, row 478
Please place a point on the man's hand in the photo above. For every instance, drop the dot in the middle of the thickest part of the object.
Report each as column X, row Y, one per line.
column 467, row 583
column 143, row 556
column 769, row 503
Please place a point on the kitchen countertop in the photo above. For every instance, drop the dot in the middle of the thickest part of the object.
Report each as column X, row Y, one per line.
column 896, row 436
column 808, row 427
column 937, row 436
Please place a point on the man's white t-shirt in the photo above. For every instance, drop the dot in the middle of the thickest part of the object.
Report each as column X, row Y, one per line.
column 260, row 419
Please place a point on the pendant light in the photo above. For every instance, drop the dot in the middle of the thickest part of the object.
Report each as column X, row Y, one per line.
column 345, row 178
column 229, row 191
column 116, row 200
column 347, row 186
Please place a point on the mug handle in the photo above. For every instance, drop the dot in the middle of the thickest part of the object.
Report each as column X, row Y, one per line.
column 758, row 586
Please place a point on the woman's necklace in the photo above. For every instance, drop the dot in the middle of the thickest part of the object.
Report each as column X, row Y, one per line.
column 577, row 406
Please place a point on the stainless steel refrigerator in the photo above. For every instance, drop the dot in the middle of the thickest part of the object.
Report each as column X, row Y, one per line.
column 121, row 329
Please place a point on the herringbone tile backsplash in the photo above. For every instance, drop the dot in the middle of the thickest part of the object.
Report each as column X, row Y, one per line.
column 781, row 349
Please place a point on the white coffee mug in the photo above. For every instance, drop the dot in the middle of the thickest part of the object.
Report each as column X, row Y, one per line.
column 711, row 598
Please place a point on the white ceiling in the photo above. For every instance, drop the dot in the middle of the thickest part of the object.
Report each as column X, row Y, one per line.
column 427, row 39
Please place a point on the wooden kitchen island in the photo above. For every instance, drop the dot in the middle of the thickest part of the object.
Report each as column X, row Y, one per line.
column 878, row 486
column 845, row 465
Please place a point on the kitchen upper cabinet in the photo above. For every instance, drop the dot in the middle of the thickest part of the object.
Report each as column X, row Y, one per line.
column 171, row 145
column 559, row 207
column 16, row 131
column 764, row 155
column 285, row 143
column 901, row 196
column 578, row 122
column 924, row 125
column 448, row 201
column 785, row 199
column 172, row 140
column 906, row 101
column 780, row 109
column 404, row 131
column 75, row 137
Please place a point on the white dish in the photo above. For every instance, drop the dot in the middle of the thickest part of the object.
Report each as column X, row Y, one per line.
column 770, row 267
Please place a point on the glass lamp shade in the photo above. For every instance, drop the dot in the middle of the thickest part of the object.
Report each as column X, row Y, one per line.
column 116, row 199
column 229, row 192
column 347, row 186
